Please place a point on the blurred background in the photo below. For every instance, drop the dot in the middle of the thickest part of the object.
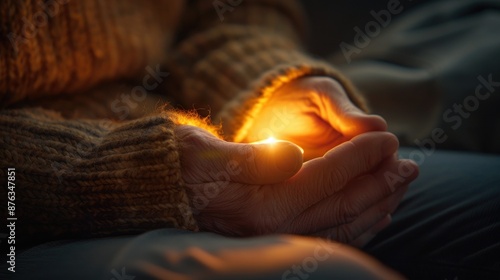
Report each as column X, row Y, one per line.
column 325, row 18
column 425, row 71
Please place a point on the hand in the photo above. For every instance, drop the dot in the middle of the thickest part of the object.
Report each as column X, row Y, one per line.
column 315, row 113
column 252, row 189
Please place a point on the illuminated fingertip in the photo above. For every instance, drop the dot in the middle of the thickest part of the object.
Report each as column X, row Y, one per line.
column 272, row 140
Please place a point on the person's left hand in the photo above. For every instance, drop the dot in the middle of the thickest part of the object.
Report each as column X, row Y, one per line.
column 314, row 113
column 239, row 189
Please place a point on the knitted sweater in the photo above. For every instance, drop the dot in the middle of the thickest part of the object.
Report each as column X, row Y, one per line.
column 100, row 173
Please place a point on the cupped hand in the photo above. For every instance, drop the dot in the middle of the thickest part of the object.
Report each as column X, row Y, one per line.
column 252, row 189
column 315, row 113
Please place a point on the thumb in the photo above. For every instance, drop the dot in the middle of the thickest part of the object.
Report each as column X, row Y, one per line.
column 348, row 119
column 341, row 113
column 260, row 163
column 356, row 122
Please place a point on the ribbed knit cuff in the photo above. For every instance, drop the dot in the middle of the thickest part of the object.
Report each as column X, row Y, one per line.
column 87, row 178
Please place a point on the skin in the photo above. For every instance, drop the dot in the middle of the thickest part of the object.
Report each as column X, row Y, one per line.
column 315, row 113
column 341, row 193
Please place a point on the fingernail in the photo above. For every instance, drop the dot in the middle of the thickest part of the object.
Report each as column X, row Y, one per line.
column 288, row 157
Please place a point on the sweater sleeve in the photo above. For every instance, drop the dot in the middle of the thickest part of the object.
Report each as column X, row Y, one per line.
column 77, row 178
column 65, row 47
column 233, row 58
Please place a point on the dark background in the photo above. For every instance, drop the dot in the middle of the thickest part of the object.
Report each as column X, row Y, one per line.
column 331, row 22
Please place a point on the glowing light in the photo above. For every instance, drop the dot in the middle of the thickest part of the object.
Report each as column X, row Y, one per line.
column 272, row 140
column 265, row 95
column 192, row 119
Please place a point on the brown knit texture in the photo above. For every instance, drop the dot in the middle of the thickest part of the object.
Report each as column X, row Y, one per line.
column 72, row 45
column 234, row 66
column 92, row 178
column 102, row 102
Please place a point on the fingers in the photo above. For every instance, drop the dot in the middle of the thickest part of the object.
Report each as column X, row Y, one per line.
column 355, row 123
column 368, row 224
column 343, row 115
column 322, row 177
column 265, row 163
column 358, row 196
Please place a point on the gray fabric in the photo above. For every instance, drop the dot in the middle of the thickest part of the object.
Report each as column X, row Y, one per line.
column 433, row 57
column 178, row 254
column 448, row 224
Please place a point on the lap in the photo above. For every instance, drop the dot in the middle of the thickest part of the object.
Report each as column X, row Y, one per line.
column 177, row 254
column 448, row 224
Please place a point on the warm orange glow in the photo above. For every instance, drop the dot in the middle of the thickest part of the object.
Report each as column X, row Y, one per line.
column 264, row 95
column 271, row 140
column 192, row 119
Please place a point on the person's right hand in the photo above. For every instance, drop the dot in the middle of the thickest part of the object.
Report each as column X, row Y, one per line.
column 252, row 189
